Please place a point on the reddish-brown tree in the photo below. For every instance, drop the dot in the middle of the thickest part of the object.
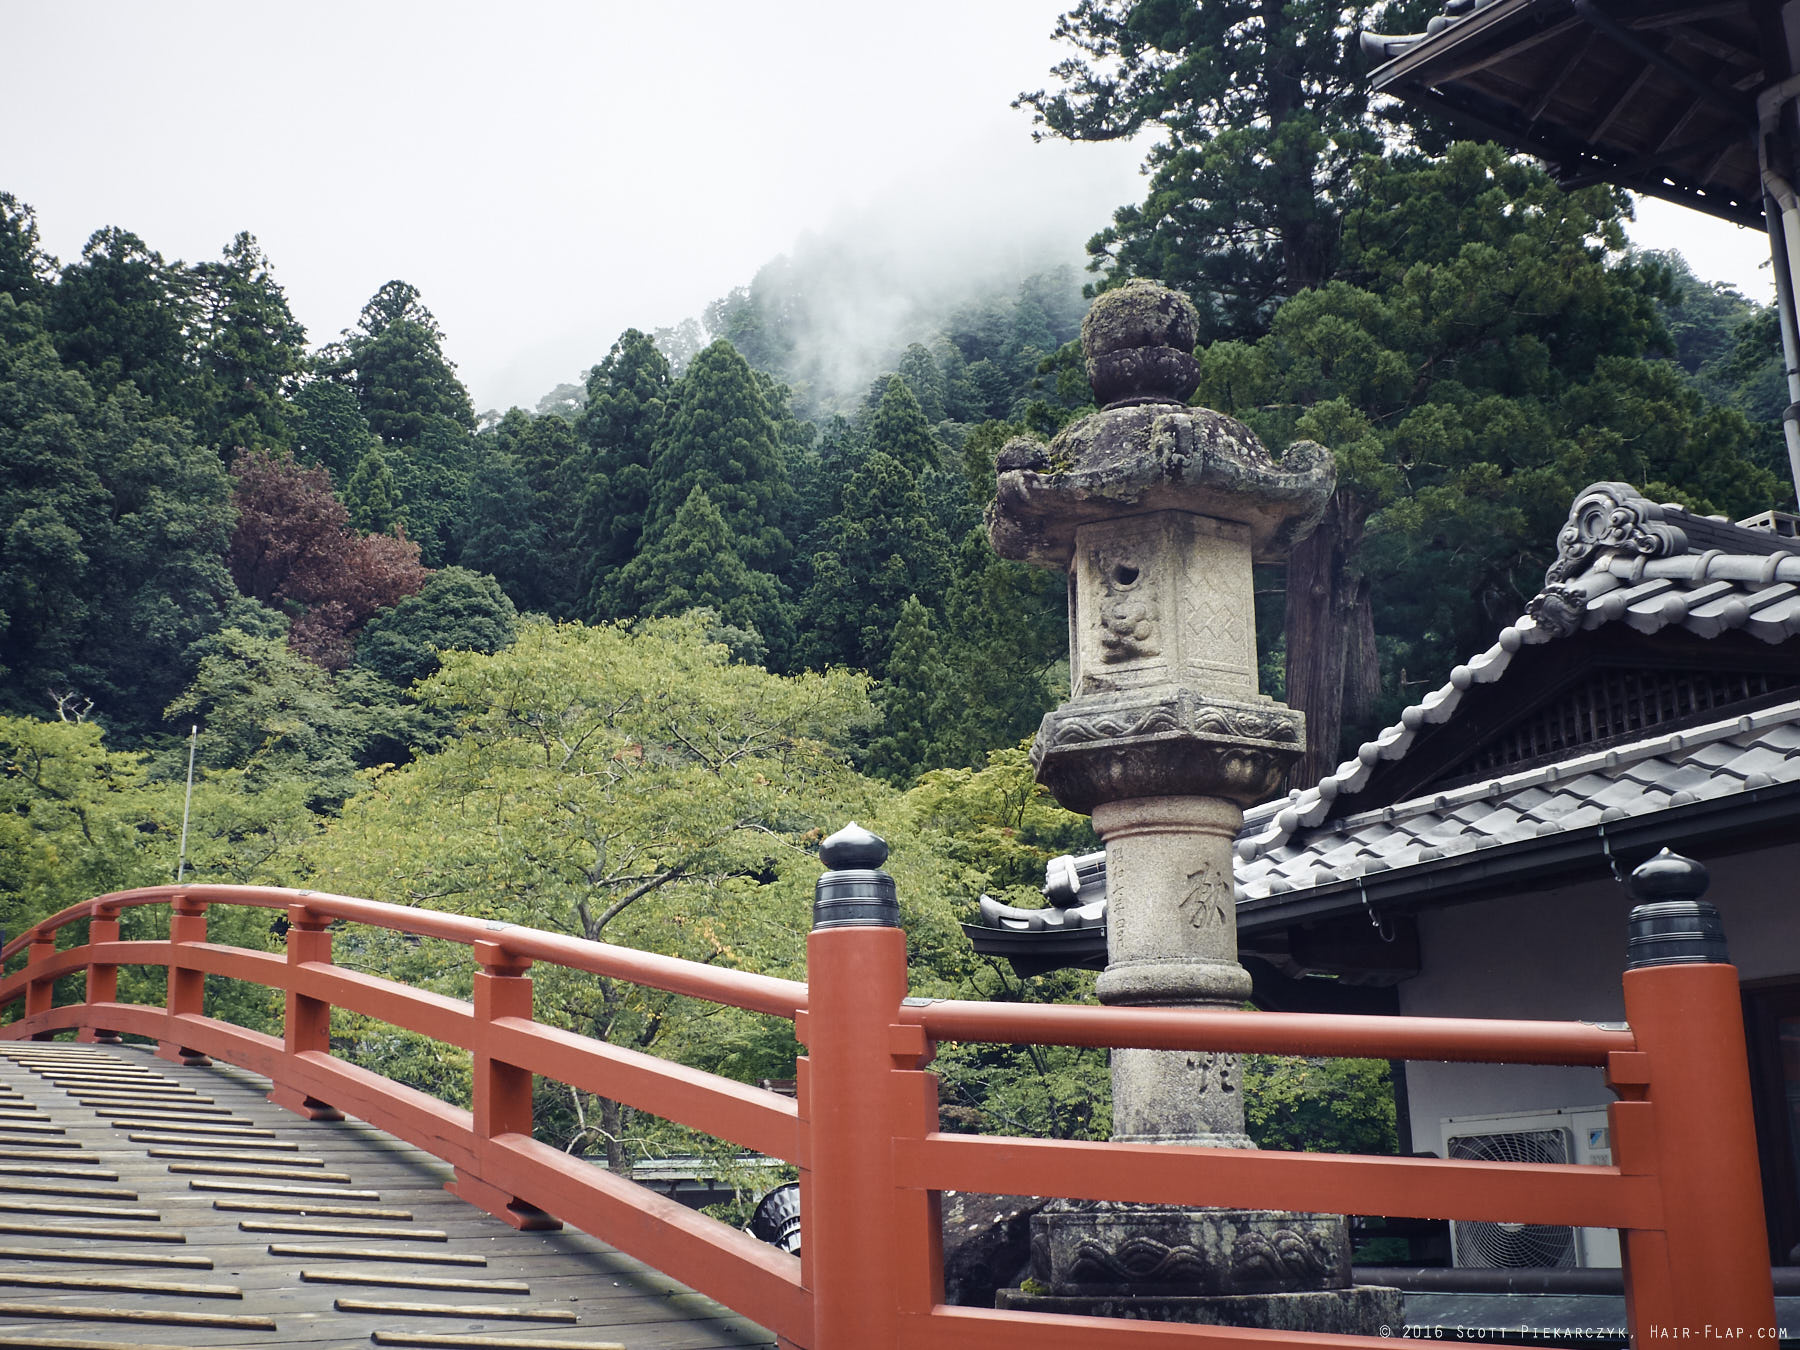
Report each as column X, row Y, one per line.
column 293, row 549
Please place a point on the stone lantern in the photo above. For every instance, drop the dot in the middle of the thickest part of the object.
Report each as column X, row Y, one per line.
column 1156, row 511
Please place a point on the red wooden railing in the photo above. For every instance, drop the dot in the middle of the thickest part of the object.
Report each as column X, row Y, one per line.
column 1684, row 1187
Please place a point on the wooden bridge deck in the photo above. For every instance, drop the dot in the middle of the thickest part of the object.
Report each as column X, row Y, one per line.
column 144, row 1203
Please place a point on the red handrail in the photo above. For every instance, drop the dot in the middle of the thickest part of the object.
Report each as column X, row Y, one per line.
column 1683, row 1189
column 735, row 988
column 1349, row 1036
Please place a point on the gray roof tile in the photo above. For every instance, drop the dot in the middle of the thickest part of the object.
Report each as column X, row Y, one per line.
column 1758, row 759
column 1714, row 755
column 1625, row 792
column 1648, row 772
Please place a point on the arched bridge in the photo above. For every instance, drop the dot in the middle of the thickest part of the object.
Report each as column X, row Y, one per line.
column 149, row 1202
column 863, row 1131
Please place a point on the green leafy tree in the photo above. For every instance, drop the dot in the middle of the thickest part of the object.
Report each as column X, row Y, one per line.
column 408, row 392
column 997, row 827
column 394, row 360
column 914, row 698
column 503, row 537
column 522, row 518
column 897, row 427
column 925, row 380
column 1006, row 640
column 565, row 401
column 74, row 819
column 112, row 526
column 78, row 820
column 331, row 430
column 1262, row 115
column 276, row 718
column 637, row 786
column 122, row 313
column 455, row 610
column 1320, row 1105
column 820, row 474
column 26, row 271
column 433, row 481
column 881, row 548
column 1493, row 359
column 1731, row 348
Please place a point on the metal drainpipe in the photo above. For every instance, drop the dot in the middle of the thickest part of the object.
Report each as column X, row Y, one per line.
column 1782, row 208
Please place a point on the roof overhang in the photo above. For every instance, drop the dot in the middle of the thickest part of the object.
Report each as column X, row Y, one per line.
column 1657, row 97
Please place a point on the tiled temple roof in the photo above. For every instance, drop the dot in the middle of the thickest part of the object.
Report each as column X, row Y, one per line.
column 1736, row 755
column 1624, row 560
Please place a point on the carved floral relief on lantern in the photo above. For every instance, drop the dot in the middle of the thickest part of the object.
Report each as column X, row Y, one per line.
column 1129, row 613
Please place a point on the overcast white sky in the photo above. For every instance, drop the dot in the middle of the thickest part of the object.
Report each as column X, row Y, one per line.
column 550, row 172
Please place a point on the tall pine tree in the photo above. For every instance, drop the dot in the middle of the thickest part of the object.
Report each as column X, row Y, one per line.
column 897, row 427
column 251, row 351
column 1262, row 106
column 26, row 272
column 628, row 398
column 409, row 394
column 122, row 313
column 880, row 548
column 723, row 437
column 695, row 564
column 915, row 700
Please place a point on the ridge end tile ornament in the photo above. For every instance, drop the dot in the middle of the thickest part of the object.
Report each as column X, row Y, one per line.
column 1156, row 511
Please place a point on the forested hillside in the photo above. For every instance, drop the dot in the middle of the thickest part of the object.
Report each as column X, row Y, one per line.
column 612, row 665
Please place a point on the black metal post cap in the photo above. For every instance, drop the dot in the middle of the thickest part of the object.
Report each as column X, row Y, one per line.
column 1675, row 926
column 853, row 846
column 854, row 893
column 1668, row 876
column 777, row 1218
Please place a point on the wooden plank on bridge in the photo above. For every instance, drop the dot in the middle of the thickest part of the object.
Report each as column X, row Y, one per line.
column 320, row 1291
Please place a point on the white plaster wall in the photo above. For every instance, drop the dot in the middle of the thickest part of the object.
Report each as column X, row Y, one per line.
column 1558, row 954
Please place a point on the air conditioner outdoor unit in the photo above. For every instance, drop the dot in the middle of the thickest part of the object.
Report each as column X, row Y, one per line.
column 1578, row 1134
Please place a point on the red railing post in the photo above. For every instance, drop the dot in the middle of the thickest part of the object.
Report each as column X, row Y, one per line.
column 102, row 977
column 500, row 1092
column 1686, row 1117
column 40, row 994
column 307, row 1025
column 187, row 986
column 869, row 1256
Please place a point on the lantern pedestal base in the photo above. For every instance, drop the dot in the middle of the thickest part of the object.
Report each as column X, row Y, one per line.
column 1223, row 1267
column 1365, row 1310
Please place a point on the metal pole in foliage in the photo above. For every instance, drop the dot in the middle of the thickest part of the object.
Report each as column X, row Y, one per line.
column 187, row 803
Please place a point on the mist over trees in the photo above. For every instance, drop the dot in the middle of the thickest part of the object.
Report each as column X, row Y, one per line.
column 732, row 583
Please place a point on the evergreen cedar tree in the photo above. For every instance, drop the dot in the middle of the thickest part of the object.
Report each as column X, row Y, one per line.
column 627, row 398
